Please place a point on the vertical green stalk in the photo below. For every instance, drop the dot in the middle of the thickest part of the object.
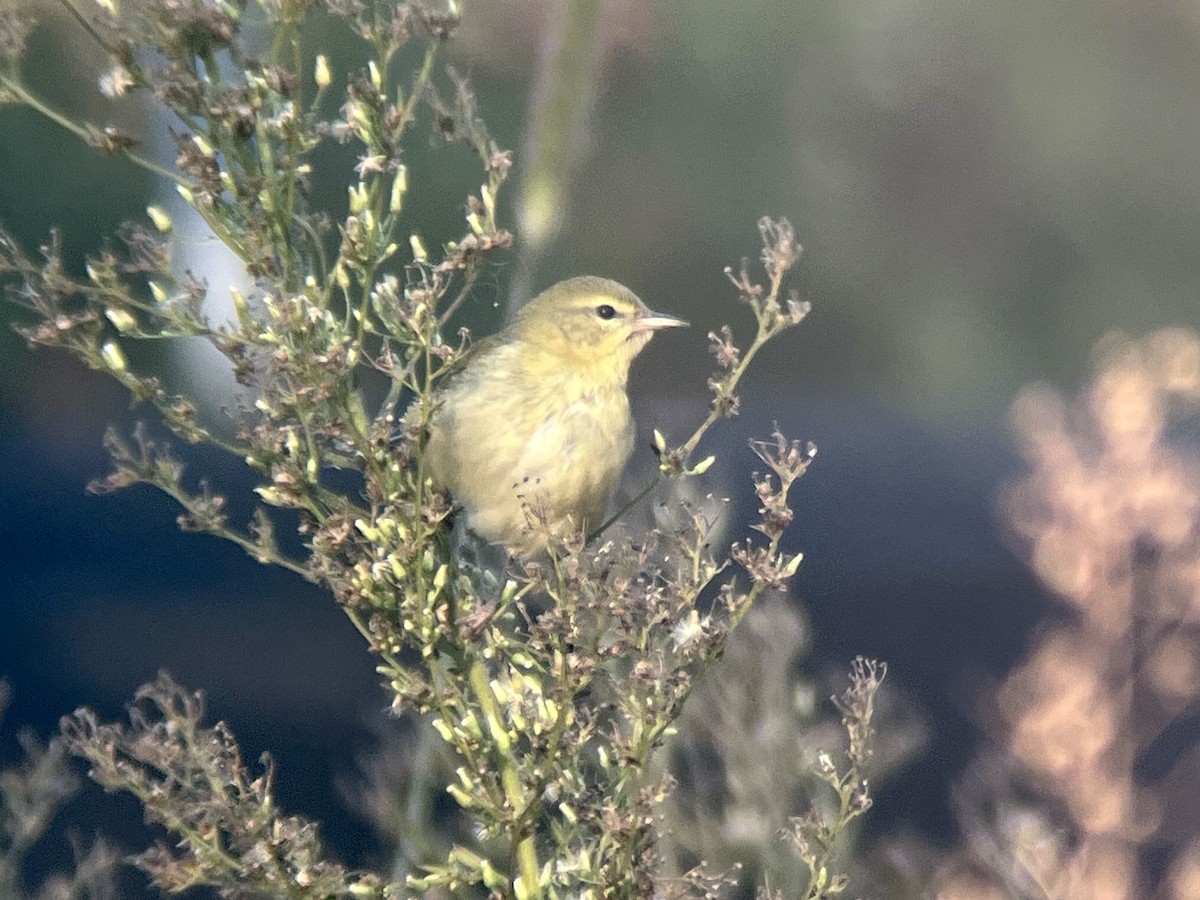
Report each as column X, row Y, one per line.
column 558, row 112
column 524, row 847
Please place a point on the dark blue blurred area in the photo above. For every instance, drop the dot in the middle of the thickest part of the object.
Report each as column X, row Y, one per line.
column 99, row 593
column 904, row 563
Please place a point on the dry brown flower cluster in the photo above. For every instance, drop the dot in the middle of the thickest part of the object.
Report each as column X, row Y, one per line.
column 1109, row 518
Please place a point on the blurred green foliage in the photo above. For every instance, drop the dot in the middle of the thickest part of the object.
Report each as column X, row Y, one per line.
column 982, row 191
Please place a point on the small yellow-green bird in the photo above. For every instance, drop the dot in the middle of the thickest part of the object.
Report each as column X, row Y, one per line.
column 537, row 422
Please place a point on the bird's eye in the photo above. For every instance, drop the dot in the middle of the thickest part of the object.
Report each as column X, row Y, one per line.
column 605, row 311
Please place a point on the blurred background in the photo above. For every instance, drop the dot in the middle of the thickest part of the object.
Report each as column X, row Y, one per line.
column 983, row 191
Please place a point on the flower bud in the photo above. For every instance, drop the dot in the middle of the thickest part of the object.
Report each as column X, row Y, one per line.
column 114, row 357
column 399, row 188
column 121, row 320
column 322, row 75
column 358, row 198
column 159, row 217
column 420, row 254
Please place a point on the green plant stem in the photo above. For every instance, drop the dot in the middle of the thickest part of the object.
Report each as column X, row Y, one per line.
column 557, row 119
column 87, row 26
column 524, row 847
column 87, row 136
column 715, row 414
column 626, row 507
column 418, row 85
column 445, row 704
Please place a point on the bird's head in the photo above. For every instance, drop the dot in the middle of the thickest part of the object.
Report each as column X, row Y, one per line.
column 590, row 324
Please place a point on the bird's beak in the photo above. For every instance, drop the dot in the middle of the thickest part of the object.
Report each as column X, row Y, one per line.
column 653, row 321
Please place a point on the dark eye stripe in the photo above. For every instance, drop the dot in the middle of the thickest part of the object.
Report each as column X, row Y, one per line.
column 605, row 311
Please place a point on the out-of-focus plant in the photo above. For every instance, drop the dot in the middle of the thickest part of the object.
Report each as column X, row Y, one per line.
column 754, row 751
column 1091, row 801
column 553, row 681
column 31, row 793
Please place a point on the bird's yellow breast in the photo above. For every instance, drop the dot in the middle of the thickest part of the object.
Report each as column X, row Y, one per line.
column 517, row 434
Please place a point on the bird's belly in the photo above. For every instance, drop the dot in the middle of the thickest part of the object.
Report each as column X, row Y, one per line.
column 576, row 456
column 560, row 468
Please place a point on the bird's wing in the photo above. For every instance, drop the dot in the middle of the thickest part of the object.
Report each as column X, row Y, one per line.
column 450, row 371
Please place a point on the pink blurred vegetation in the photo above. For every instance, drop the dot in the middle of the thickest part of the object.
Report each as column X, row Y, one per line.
column 1108, row 517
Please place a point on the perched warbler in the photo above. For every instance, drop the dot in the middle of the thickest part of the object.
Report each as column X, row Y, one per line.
column 536, row 426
